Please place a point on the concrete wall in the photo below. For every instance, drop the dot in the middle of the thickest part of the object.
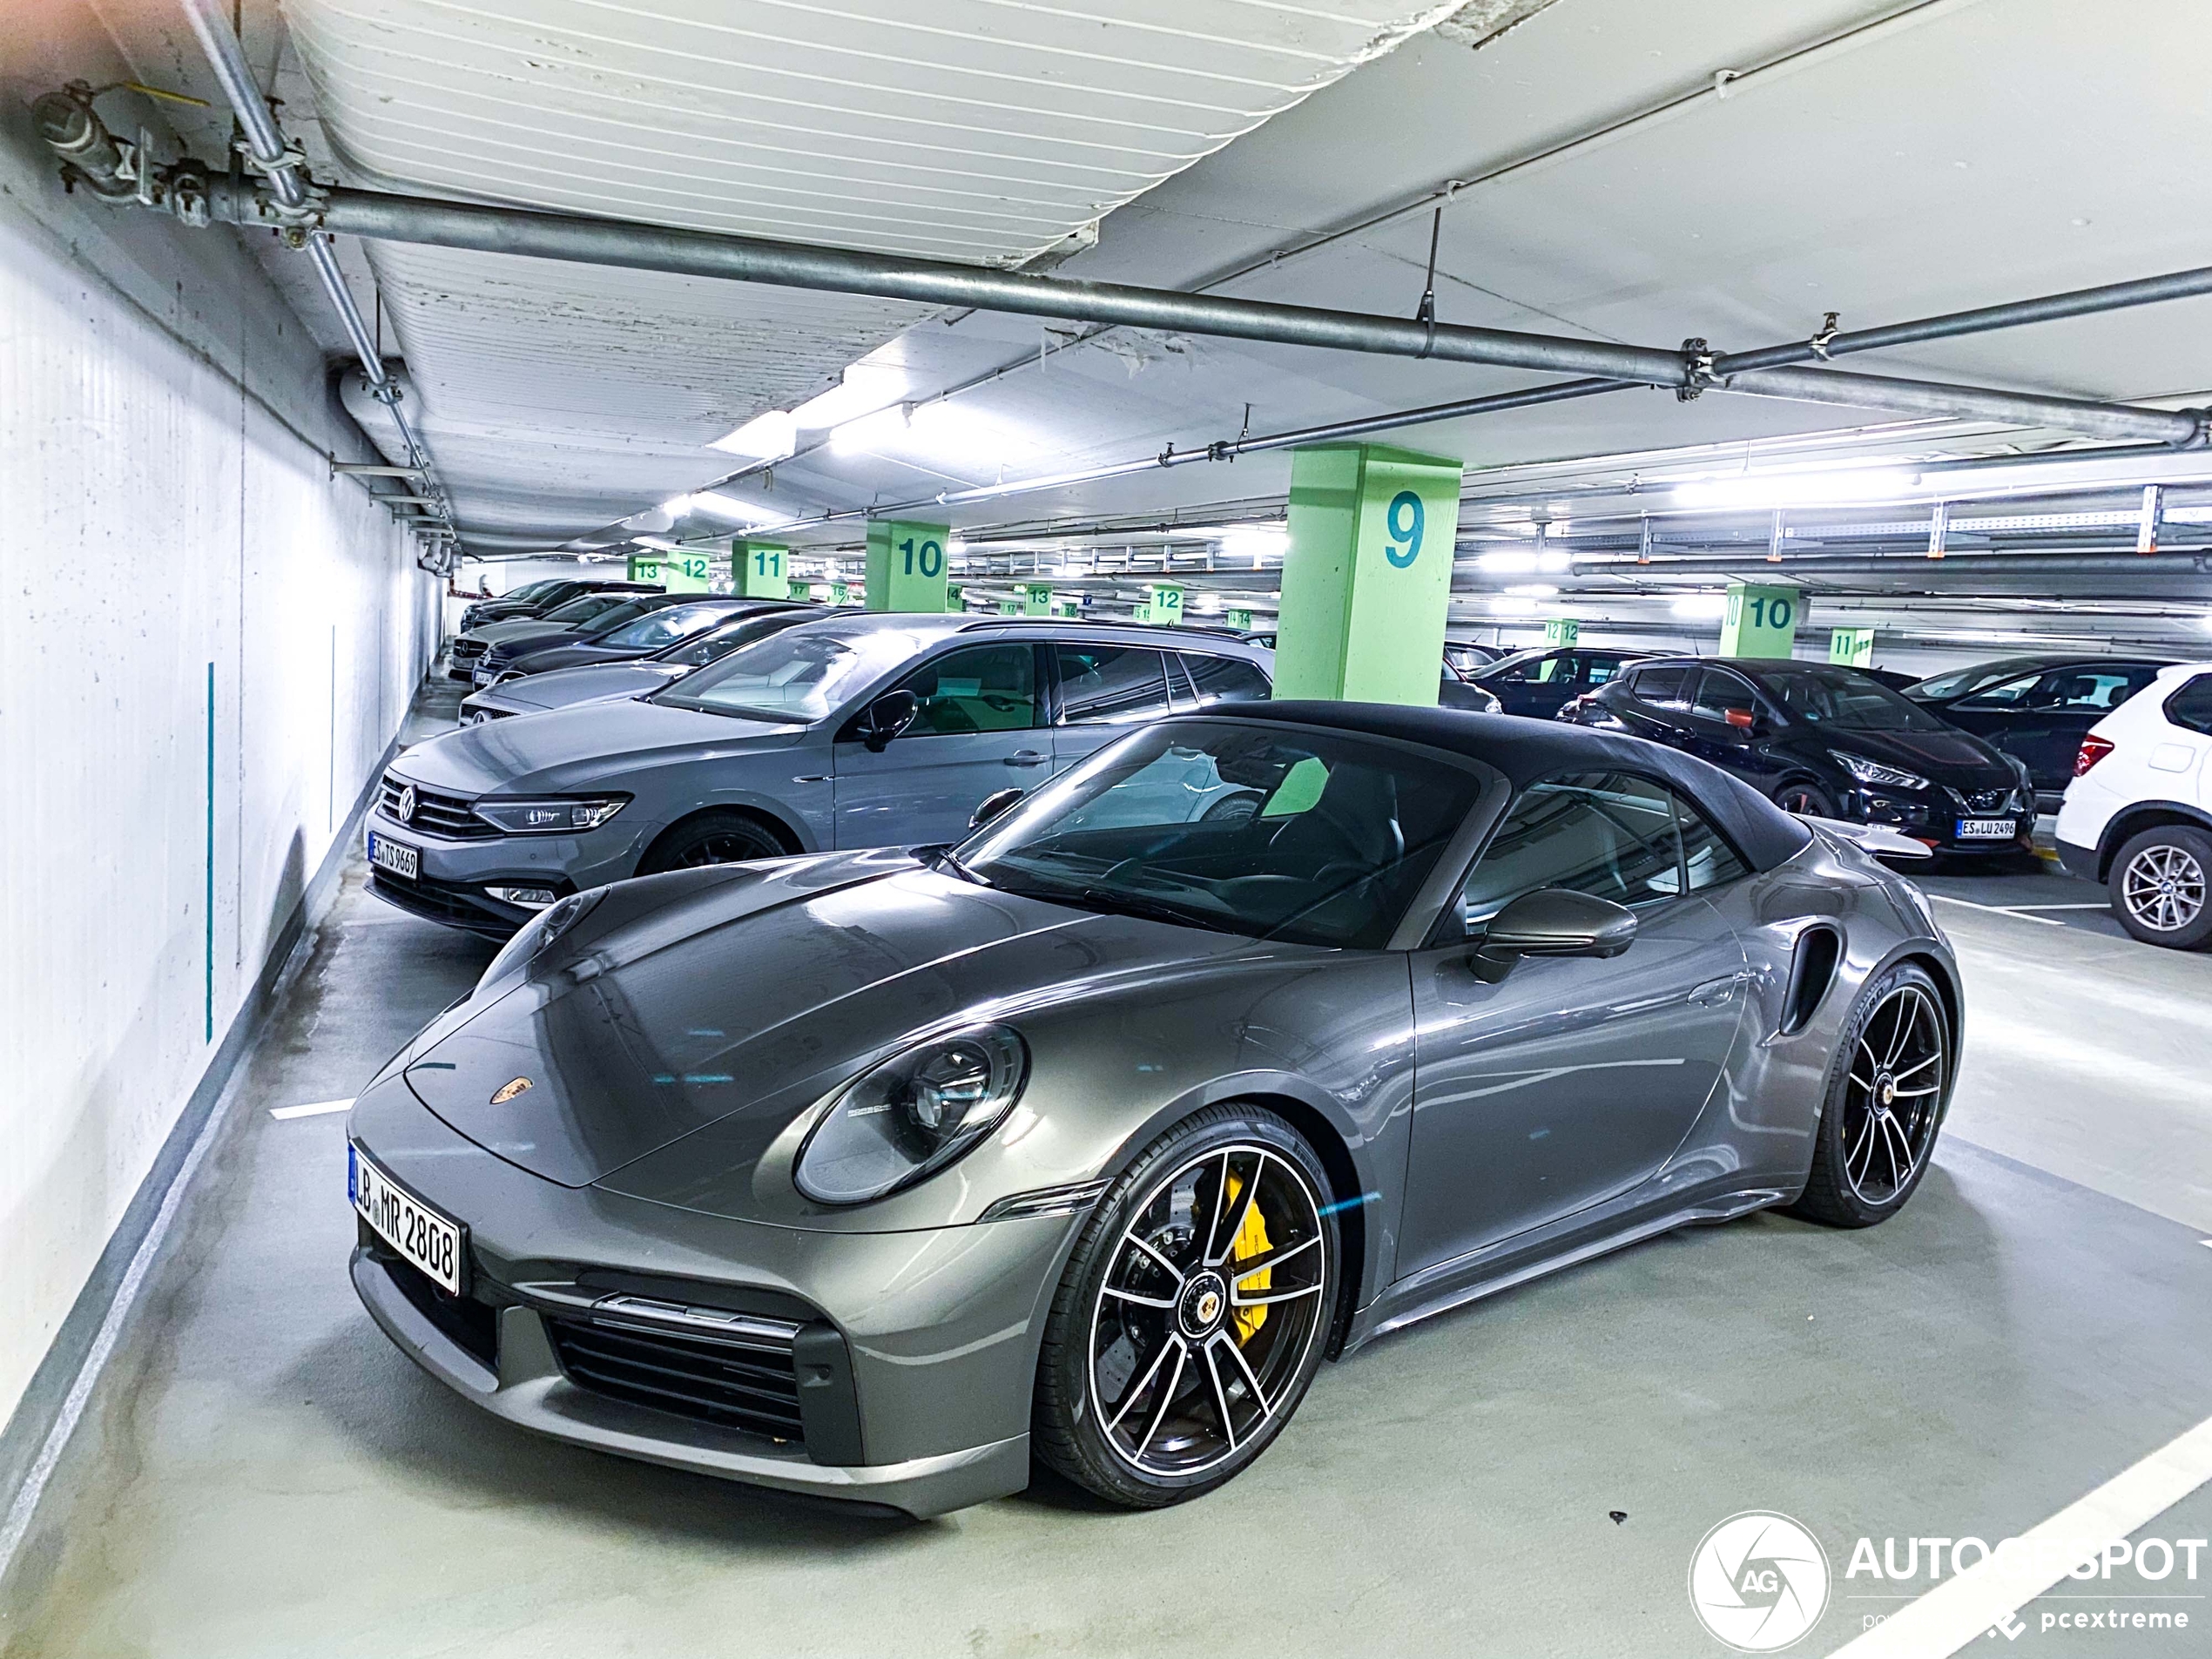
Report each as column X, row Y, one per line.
column 171, row 525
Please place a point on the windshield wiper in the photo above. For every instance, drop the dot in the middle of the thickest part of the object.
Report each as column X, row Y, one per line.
column 1151, row 910
column 943, row 857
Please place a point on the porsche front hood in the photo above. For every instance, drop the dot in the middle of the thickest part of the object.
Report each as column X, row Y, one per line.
column 744, row 1005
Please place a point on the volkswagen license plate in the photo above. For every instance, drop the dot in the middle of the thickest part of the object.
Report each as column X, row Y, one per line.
column 396, row 856
column 403, row 1221
column 1987, row 829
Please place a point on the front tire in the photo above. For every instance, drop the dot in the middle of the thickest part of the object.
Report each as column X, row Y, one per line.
column 1193, row 1314
column 1887, row 1089
column 712, row 838
column 2158, row 886
column 1803, row 795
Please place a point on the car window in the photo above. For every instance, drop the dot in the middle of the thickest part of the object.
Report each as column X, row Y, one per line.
column 1708, row 861
column 1222, row 679
column 2081, row 689
column 660, row 627
column 1664, row 685
column 1720, row 693
column 2191, row 707
column 984, row 688
column 1609, row 835
column 1960, row 682
column 718, row 643
column 616, row 616
column 1823, row 695
column 581, row 609
column 799, row 677
column 1284, row 833
column 1110, row 685
column 1598, row 670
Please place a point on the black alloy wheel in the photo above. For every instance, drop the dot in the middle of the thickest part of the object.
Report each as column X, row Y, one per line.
column 712, row 838
column 1888, row 1087
column 1803, row 795
column 1193, row 1313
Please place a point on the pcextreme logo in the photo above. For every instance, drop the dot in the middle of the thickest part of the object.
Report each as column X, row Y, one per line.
column 1758, row 1581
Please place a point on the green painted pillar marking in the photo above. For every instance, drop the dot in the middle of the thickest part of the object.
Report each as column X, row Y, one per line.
column 1163, row 603
column 840, row 593
column 645, row 567
column 1140, row 612
column 757, row 569
column 1853, row 647
column 1562, row 631
column 1241, row 619
column 1036, row 598
column 1071, row 607
column 955, row 597
column 1368, row 576
column 689, row 571
column 1760, row 622
column 1010, row 608
column 906, row 566
column 801, row 589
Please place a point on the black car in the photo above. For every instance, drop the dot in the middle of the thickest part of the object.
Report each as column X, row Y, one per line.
column 568, row 625
column 1456, row 691
column 536, row 598
column 585, row 612
column 1539, row 683
column 2038, row 708
column 1826, row 741
column 678, row 617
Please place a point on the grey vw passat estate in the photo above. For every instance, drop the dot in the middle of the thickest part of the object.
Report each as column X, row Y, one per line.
column 858, row 731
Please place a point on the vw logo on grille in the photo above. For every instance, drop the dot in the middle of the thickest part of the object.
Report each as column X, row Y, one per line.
column 403, row 808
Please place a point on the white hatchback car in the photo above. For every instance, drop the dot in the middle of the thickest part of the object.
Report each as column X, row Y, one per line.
column 2138, row 814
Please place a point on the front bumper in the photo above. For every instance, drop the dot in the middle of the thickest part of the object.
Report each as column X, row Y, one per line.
column 2082, row 861
column 1933, row 819
column 914, row 1356
column 450, row 887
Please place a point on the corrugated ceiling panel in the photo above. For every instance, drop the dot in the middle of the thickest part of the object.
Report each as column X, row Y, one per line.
column 986, row 131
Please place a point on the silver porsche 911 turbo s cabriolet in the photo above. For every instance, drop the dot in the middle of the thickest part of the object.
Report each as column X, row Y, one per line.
column 1256, row 1035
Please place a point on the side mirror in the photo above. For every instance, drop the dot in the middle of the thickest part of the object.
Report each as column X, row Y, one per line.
column 887, row 717
column 992, row 805
column 1553, row 921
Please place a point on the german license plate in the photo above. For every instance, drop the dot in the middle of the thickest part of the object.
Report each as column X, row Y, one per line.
column 403, row 1221
column 396, row 856
column 1987, row 829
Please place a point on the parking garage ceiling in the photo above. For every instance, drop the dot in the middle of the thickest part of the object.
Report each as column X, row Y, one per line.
column 1610, row 171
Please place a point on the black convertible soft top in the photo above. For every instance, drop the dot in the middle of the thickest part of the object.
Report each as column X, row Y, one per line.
column 1527, row 749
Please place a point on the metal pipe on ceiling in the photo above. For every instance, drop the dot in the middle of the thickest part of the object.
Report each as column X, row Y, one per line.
column 483, row 228
column 285, row 169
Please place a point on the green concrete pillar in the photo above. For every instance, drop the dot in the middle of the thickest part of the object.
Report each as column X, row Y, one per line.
column 801, row 589
column 1163, row 603
column 840, row 593
column 757, row 569
column 1241, row 619
column 906, row 566
column 1562, row 631
column 1036, row 598
column 1760, row 622
column 955, row 598
column 1010, row 608
column 1067, row 607
column 1853, row 647
column 684, row 571
column 1368, row 576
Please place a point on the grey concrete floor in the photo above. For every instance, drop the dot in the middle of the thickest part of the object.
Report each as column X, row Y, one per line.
column 261, row 1474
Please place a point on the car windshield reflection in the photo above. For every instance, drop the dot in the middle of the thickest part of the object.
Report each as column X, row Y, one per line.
column 1271, row 832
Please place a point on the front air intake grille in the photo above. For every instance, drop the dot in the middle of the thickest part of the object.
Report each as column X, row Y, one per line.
column 1983, row 800
column 467, row 650
column 434, row 814
column 752, row 1385
column 471, row 1325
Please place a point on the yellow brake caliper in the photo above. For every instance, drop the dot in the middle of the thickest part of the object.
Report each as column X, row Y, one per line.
column 1252, row 1241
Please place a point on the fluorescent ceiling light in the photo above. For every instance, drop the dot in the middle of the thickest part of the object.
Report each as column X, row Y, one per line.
column 1514, row 562
column 1712, row 606
column 1535, row 590
column 1206, row 604
column 766, row 437
column 1256, row 541
column 733, row 510
column 882, row 430
column 660, row 542
column 862, row 389
column 1797, row 488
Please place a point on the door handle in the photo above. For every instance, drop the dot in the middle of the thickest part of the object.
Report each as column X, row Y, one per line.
column 1714, row 992
column 1026, row 757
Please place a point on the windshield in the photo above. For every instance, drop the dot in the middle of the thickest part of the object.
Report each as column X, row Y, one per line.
column 640, row 627
column 1275, row 832
column 533, row 589
column 1965, row 682
column 580, row 610
column 718, row 643
column 799, row 677
column 1847, row 701
column 615, row 615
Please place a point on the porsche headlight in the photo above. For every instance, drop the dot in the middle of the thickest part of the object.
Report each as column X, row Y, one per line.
column 1874, row 772
column 910, row 1116
column 551, row 817
column 537, row 932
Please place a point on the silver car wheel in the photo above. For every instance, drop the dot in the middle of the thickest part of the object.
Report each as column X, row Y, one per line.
column 2163, row 889
column 1893, row 1094
column 1216, row 1290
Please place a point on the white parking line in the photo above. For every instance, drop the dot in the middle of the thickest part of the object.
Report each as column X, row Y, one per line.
column 1956, row 1613
column 1997, row 910
column 2102, row 904
column 312, row 1109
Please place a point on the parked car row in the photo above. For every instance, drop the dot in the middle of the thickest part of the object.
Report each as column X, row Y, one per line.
column 826, row 731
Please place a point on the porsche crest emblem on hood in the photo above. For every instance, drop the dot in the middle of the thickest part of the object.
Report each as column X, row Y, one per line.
column 509, row 1090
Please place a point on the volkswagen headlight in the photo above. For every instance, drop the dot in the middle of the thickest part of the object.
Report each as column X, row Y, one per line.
column 564, row 816
column 1874, row 772
column 906, row 1118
